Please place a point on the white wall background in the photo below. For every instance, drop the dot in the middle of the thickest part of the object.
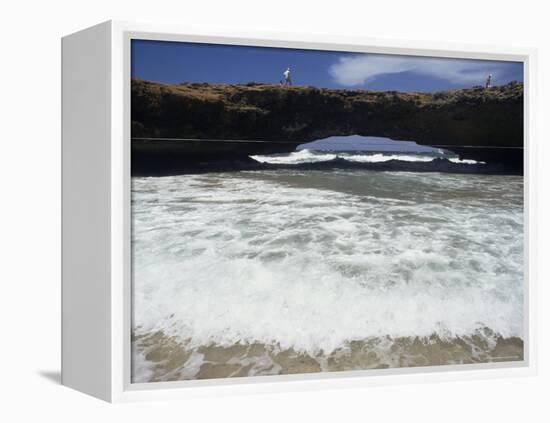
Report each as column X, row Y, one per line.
column 30, row 206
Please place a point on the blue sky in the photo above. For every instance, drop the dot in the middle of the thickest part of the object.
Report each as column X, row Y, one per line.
column 358, row 143
column 176, row 62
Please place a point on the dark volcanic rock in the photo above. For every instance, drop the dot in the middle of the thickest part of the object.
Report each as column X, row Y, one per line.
column 475, row 122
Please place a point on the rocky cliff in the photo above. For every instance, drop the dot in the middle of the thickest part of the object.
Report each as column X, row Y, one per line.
column 239, row 120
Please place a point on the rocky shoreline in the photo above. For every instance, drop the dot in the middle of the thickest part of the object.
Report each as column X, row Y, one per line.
column 191, row 122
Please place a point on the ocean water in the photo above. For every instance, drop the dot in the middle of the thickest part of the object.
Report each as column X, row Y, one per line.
column 292, row 271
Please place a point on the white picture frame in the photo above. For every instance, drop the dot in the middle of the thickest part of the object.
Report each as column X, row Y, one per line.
column 96, row 259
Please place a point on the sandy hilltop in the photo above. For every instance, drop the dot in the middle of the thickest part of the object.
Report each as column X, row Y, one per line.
column 482, row 124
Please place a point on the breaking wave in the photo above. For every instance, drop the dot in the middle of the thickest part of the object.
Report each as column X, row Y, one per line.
column 312, row 262
column 313, row 156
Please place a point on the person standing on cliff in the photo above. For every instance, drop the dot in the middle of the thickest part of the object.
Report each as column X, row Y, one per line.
column 488, row 81
column 286, row 77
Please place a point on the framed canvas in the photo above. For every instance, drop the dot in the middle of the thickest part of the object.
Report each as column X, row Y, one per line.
column 265, row 212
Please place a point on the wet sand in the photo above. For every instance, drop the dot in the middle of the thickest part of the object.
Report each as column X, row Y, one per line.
column 163, row 358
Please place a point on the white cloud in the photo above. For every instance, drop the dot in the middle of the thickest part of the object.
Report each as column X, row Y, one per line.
column 362, row 69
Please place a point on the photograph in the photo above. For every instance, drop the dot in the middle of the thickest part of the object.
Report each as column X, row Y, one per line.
column 299, row 211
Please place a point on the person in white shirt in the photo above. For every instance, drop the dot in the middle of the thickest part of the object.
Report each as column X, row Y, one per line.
column 286, row 77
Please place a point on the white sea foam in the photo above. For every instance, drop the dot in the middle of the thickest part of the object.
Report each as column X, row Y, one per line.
column 378, row 157
column 308, row 156
column 264, row 257
column 464, row 161
column 296, row 157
